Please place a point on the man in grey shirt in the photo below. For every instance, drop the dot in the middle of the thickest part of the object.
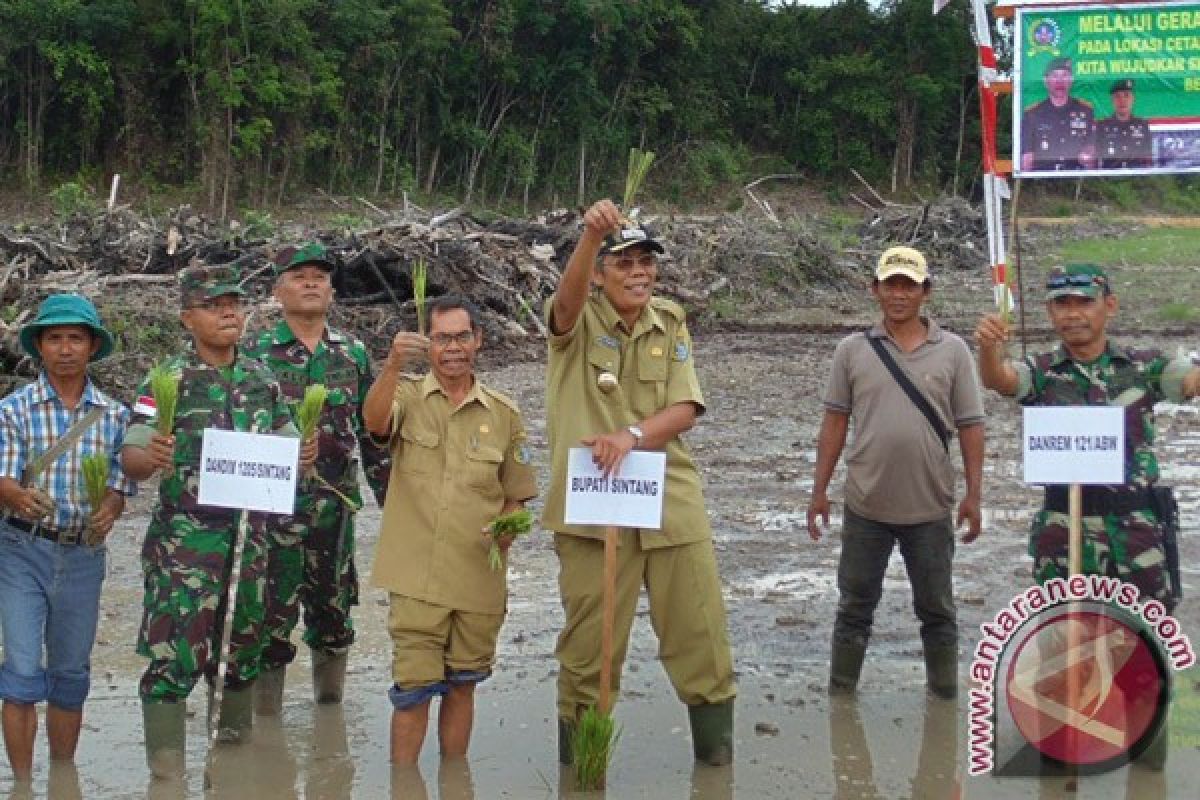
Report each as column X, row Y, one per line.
column 900, row 479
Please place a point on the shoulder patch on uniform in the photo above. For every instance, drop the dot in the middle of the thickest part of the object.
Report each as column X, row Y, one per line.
column 521, row 453
column 668, row 307
column 682, row 351
column 502, row 398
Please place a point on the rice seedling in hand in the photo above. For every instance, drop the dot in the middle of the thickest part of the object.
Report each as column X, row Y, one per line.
column 95, row 478
column 592, row 748
column 419, row 277
column 308, row 412
column 639, row 165
column 164, row 385
column 515, row 523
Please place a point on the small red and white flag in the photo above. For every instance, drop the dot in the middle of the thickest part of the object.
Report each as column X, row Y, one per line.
column 145, row 406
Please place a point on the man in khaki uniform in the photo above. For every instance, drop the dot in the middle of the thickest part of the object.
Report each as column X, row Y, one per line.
column 460, row 459
column 621, row 376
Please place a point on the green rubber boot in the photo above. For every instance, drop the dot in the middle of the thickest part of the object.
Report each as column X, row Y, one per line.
column 1154, row 757
column 268, row 692
column 329, row 675
column 712, row 732
column 566, row 741
column 845, row 666
column 164, row 726
column 941, row 670
column 237, row 714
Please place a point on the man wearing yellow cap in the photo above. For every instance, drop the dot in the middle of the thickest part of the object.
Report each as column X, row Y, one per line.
column 900, row 480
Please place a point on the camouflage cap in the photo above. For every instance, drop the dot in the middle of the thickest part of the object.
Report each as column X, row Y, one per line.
column 626, row 237
column 1061, row 62
column 1123, row 85
column 1077, row 280
column 310, row 253
column 201, row 282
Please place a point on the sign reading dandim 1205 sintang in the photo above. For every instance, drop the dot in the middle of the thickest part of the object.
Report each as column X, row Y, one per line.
column 1107, row 90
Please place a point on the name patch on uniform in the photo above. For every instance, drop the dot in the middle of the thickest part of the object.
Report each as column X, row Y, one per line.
column 682, row 351
column 656, row 351
column 610, row 342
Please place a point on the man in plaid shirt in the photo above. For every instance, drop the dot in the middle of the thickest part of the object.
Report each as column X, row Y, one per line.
column 52, row 554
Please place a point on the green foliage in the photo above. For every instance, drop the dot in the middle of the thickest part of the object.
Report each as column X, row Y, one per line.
column 1149, row 247
column 73, row 198
column 257, row 224
column 1179, row 311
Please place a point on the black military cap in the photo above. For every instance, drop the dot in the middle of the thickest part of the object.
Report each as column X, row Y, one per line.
column 1123, row 85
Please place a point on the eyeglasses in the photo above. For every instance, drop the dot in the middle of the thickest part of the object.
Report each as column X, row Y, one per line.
column 625, row 263
column 462, row 338
column 215, row 305
column 1075, row 281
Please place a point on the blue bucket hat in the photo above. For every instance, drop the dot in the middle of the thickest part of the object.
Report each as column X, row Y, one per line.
column 66, row 309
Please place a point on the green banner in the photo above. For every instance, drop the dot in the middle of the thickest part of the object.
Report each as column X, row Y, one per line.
column 1107, row 90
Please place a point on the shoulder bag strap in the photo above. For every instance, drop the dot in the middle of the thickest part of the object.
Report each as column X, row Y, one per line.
column 919, row 400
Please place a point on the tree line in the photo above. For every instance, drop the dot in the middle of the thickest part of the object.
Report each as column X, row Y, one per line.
column 506, row 102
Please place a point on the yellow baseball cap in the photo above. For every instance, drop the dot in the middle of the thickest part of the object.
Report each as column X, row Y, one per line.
column 902, row 261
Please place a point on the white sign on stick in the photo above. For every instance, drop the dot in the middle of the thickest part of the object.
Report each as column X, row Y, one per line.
column 252, row 471
column 1074, row 444
column 633, row 498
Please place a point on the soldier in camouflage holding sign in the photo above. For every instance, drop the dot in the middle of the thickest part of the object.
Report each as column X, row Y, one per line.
column 1128, row 528
column 185, row 556
column 312, row 560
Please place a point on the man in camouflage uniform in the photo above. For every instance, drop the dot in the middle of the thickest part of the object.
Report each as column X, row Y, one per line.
column 312, row 560
column 1124, row 140
column 1059, row 132
column 187, row 550
column 1122, row 525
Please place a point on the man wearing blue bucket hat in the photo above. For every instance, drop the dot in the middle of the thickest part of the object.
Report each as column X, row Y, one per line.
column 52, row 554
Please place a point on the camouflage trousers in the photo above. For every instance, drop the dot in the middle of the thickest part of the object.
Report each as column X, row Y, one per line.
column 186, row 565
column 311, row 563
column 1125, row 546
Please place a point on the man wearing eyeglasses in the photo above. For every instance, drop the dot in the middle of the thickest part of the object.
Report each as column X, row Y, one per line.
column 188, row 546
column 459, row 460
column 1127, row 528
column 621, row 375
column 311, row 560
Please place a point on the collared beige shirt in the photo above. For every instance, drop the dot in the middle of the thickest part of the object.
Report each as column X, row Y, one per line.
column 655, row 368
column 453, row 469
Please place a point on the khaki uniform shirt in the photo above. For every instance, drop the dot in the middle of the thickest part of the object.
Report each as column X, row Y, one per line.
column 453, row 469
column 897, row 471
column 655, row 369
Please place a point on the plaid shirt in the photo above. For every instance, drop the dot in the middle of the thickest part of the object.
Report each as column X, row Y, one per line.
column 33, row 418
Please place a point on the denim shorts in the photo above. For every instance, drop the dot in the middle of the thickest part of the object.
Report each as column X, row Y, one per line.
column 49, row 602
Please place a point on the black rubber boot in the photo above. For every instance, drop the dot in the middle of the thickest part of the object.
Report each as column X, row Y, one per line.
column 941, row 670
column 164, row 726
column 566, row 741
column 845, row 666
column 712, row 732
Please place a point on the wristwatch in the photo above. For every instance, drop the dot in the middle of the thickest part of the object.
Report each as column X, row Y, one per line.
column 637, row 434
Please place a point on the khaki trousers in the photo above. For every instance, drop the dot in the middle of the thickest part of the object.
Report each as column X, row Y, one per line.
column 687, row 613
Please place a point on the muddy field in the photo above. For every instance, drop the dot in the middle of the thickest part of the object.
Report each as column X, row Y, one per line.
column 756, row 448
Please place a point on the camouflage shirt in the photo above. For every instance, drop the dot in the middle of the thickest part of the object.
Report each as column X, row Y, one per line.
column 1119, row 377
column 342, row 364
column 241, row 397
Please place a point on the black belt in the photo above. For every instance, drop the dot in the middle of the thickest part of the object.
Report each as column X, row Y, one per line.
column 43, row 532
column 1099, row 500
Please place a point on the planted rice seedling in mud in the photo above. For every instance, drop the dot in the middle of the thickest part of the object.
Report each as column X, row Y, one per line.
column 592, row 748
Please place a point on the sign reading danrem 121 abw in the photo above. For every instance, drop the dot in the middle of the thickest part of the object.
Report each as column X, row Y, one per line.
column 1107, row 90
